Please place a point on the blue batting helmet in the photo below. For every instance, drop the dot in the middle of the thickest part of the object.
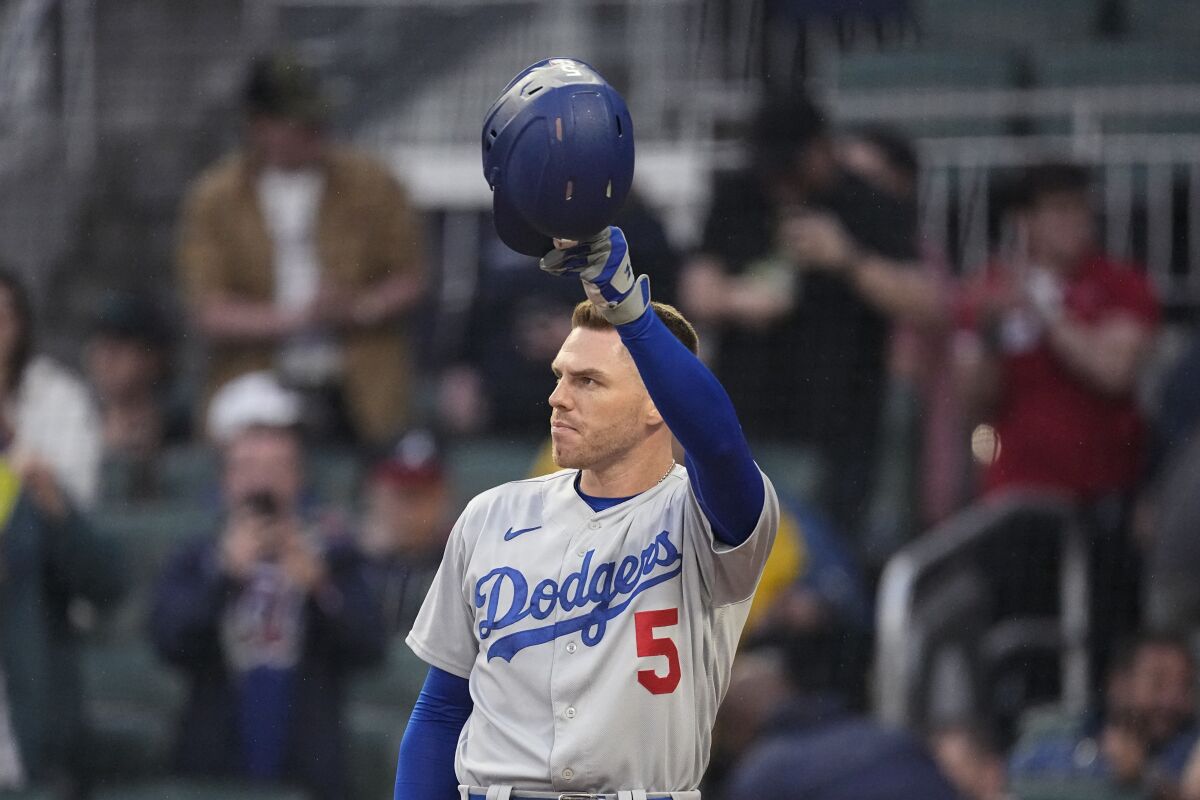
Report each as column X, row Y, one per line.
column 558, row 155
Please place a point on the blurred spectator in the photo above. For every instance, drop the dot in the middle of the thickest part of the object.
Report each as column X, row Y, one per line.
column 920, row 353
column 1050, row 343
column 49, row 419
column 300, row 254
column 268, row 615
column 802, row 266
column 127, row 362
column 794, row 739
column 516, row 324
column 1047, row 352
column 1143, row 735
column 50, row 558
column 970, row 757
column 1169, row 510
column 408, row 519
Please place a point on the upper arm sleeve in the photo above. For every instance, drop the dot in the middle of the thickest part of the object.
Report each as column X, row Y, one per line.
column 443, row 634
column 731, row 572
column 725, row 480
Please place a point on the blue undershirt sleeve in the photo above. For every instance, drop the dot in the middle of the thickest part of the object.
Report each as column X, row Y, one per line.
column 425, row 768
column 699, row 413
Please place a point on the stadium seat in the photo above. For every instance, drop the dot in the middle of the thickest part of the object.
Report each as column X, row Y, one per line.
column 334, row 476
column 1131, row 64
column 29, row 794
column 197, row 790
column 132, row 701
column 147, row 536
column 1020, row 22
column 1164, row 21
column 189, row 473
column 1073, row 790
column 378, row 704
column 374, row 740
column 923, row 69
column 479, row 464
column 795, row 471
column 395, row 684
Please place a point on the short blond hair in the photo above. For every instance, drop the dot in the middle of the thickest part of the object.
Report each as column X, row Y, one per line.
column 586, row 315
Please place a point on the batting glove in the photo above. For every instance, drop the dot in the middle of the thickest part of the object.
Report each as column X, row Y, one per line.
column 602, row 263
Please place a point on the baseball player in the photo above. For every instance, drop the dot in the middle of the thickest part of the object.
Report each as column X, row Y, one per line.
column 582, row 625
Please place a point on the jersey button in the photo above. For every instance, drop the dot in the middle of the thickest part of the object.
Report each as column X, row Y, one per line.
column 594, row 525
column 568, row 774
column 572, row 647
column 570, row 712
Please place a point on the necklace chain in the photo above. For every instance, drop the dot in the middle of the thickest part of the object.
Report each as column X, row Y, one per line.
column 665, row 474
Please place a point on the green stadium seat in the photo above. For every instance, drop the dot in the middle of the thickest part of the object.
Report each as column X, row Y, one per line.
column 374, row 741
column 147, row 536
column 1164, row 21
column 395, row 684
column 795, row 471
column 378, row 704
column 197, row 790
column 923, row 69
column 334, row 476
column 1073, row 790
column 30, row 794
column 129, row 674
column 928, row 70
column 132, row 705
column 1129, row 64
column 479, row 464
column 189, row 473
column 1014, row 22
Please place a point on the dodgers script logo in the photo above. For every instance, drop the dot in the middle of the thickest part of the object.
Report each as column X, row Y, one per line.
column 585, row 587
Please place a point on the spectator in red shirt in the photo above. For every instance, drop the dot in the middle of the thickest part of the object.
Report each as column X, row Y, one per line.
column 1047, row 353
column 1049, row 347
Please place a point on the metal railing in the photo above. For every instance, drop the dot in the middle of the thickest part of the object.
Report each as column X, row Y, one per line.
column 1147, row 190
column 47, row 81
column 915, row 613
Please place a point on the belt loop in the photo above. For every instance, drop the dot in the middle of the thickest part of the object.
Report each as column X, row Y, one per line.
column 624, row 794
column 499, row 792
column 464, row 792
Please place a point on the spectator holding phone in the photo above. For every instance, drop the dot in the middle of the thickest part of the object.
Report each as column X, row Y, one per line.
column 266, row 617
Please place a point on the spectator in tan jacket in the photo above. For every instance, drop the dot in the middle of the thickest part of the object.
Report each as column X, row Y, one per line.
column 299, row 255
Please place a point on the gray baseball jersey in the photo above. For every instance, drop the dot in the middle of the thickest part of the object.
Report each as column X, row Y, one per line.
column 598, row 645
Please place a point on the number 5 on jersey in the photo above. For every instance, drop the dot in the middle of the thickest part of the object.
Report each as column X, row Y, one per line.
column 649, row 645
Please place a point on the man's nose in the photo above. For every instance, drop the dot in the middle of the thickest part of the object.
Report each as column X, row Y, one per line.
column 559, row 398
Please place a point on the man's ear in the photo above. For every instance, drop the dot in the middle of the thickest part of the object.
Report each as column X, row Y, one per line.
column 652, row 415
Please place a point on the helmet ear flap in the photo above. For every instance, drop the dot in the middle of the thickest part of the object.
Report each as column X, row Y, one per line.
column 558, row 154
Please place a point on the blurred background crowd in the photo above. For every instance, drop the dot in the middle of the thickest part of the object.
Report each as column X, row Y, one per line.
column 259, row 344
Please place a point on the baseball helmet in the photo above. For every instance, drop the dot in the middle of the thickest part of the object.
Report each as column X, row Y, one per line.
column 557, row 154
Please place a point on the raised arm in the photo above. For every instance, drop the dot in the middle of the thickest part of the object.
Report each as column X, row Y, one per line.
column 692, row 402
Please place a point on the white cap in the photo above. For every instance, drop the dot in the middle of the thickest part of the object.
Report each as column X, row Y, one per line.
column 255, row 399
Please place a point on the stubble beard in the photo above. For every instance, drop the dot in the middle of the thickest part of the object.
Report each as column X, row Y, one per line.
column 602, row 447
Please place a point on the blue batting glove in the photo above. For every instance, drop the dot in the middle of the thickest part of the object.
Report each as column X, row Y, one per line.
column 602, row 263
